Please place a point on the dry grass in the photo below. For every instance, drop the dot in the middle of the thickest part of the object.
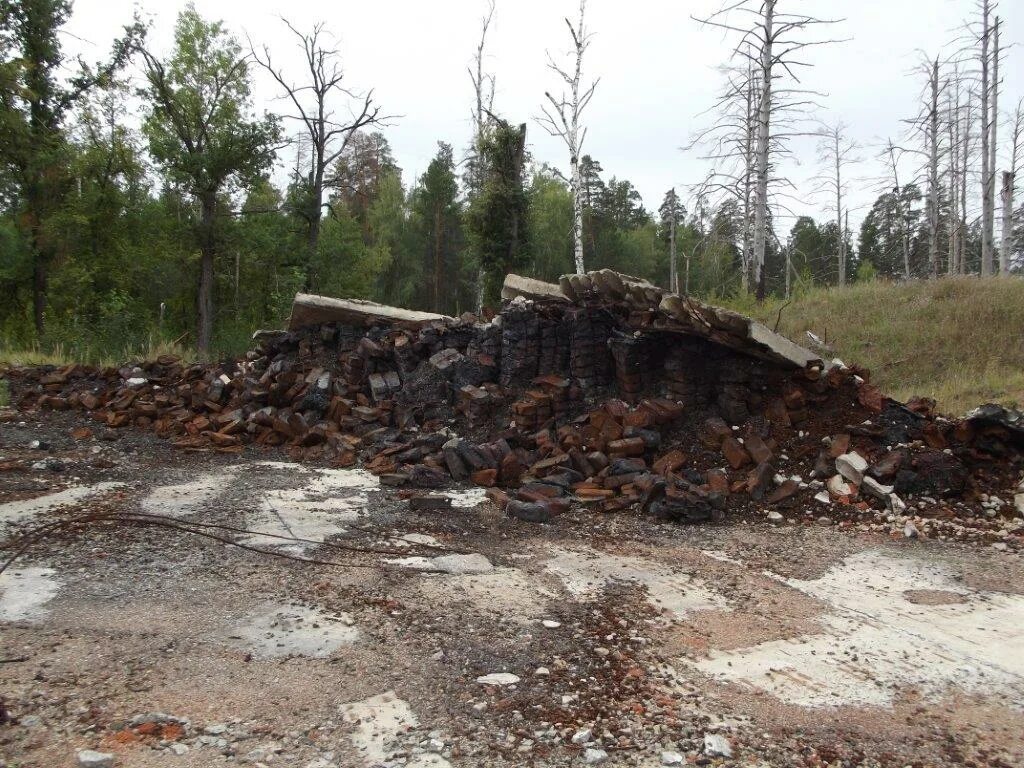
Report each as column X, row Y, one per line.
column 959, row 340
column 61, row 355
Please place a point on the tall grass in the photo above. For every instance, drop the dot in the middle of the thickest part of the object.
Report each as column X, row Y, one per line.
column 959, row 340
column 61, row 354
column 5, row 394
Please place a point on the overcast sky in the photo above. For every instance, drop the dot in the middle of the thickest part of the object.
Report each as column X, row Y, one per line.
column 658, row 71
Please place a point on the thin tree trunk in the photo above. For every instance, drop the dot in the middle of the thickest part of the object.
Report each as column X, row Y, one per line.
column 673, row 271
column 1006, row 194
column 993, row 128
column 763, row 137
column 954, row 163
column 438, row 261
column 986, row 200
column 841, row 245
column 965, row 160
column 933, row 173
column 577, row 205
column 748, row 172
column 208, row 203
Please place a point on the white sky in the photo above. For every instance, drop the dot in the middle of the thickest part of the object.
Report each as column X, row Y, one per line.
column 657, row 68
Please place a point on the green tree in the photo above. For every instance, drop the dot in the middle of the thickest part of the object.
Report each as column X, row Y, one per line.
column 203, row 135
column 499, row 222
column 438, row 219
column 550, row 207
column 36, row 97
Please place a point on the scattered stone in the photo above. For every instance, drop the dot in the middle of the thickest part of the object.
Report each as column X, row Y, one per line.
column 592, row 756
column 838, row 488
column 910, row 530
column 1018, row 503
column 551, row 624
column 671, row 758
column 498, row 678
column 88, row 758
column 852, row 466
column 774, row 516
column 716, row 745
column 582, row 737
column 875, row 488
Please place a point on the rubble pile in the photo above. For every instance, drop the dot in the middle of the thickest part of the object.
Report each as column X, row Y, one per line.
column 605, row 391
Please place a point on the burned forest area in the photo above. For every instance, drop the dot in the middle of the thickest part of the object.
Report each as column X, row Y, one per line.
column 606, row 525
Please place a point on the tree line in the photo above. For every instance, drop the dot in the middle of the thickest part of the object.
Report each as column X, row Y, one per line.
column 111, row 235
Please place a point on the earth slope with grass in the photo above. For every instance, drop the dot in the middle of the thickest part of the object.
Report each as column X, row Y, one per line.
column 958, row 340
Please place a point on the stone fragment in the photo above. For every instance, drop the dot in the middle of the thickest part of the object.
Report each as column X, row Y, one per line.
column 593, row 756
column 734, row 452
column 716, row 745
column 838, row 487
column 88, row 758
column 783, row 492
column 429, row 503
column 1018, row 503
column 498, row 678
column 759, row 480
column 671, row 758
column 852, row 466
column 875, row 488
column 583, row 736
column 757, row 449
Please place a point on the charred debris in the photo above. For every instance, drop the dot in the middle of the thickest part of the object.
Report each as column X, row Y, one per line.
column 603, row 391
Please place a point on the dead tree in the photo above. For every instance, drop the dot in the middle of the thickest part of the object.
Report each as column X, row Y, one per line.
column 561, row 118
column 314, row 102
column 836, row 152
column 933, row 170
column 769, row 40
column 986, row 138
column 897, row 192
column 483, row 92
column 1007, row 190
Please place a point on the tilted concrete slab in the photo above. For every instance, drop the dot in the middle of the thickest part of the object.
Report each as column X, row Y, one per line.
column 528, row 288
column 309, row 309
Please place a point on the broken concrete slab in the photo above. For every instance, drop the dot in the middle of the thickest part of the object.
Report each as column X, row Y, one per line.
column 287, row 630
column 528, row 288
column 852, row 466
column 309, row 309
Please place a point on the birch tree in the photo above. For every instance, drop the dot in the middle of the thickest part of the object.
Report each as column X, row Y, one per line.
column 561, row 118
column 329, row 113
column 771, row 41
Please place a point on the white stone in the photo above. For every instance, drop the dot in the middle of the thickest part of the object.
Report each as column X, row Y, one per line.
column 852, row 466
column 179, row 749
column 671, row 758
column 774, row 516
column 593, row 756
column 910, row 530
column 136, row 381
column 498, row 678
column 542, row 672
column 823, row 497
column 88, row 758
column 1018, row 503
column 896, row 505
column 838, row 487
column 551, row 624
column 582, row 737
column 875, row 488
column 716, row 745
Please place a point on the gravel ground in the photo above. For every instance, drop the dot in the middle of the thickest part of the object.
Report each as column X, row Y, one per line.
column 600, row 639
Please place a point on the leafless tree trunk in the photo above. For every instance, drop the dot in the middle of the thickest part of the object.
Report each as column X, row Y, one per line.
column 329, row 135
column 483, row 90
column 898, row 200
column 965, row 161
column 933, row 172
column 836, row 153
column 561, row 118
column 768, row 43
column 1006, row 193
column 993, row 122
column 952, row 133
column 986, row 171
column 673, row 267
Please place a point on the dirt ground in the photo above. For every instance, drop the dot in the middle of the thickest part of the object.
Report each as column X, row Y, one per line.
column 462, row 638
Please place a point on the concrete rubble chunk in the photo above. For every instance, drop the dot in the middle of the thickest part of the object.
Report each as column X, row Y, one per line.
column 839, row 487
column 875, row 488
column 498, row 678
column 716, row 745
column 852, row 466
column 528, row 288
column 309, row 309
column 88, row 758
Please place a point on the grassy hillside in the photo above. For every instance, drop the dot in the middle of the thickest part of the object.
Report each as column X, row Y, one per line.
column 958, row 340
